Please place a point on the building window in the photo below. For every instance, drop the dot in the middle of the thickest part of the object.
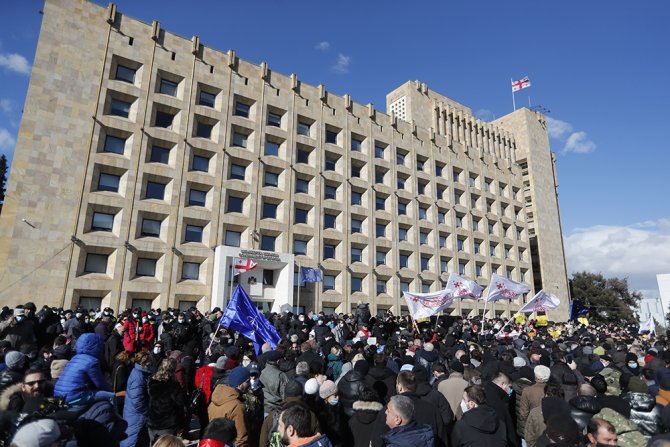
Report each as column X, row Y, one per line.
column 425, row 260
column 473, row 203
column 114, row 145
column 403, row 260
column 269, row 210
column 235, row 204
column 518, row 234
column 125, row 74
column 506, row 251
column 155, row 190
column 457, row 175
column 237, row 172
column 423, row 238
column 151, row 228
column 272, row 148
column 271, row 179
column 331, row 136
column 108, row 182
column 460, row 244
column 206, row 99
column 523, row 276
column 242, row 109
column 492, row 250
column 380, row 203
column 520, row 255
column 402, row 208
column 461, row 267
column 145, row 267
column 303, row 128
column 423, row 213
column 472, row 182
column 404, row 286
column 478, row 270
column 381, row 286
column 401, row 183
column 193, row 233
column 356, row 226
column 299, row 247
column 402, row 234
column 190, row 270
column 233, row 238
column 443, row 241
column 300, row 216
column 487, row 185
column 380, row 258
column 380, row 230
column 330, row 192
column 268, row 242
column 356, row 284
column 328, row 282
column 443, row 265
column 329, row 220
column 400, row 158
column 508, row 273
column 441, row 192
column 301, row 185
column 379, row 176
column 419, row 165
column 356, row 254
column 425, row 287
column 379, row 151
column 330, row 163
column 119, row 108
column 441, row 217
column 491, row 228
column 421, row 188
column 204, row 130
column 163, row 119
column 274, row 119
column 302, row 156
column 475, row 225
column 356, row 198
column 168, row 87
column 102, row 222
column 457, row 197
column 438, row 170
column 159, row 155
column 459, row 222
column 478, row 247
column 356, row 144
column 239, row 139
column 328, row 251
column 95, row 263
column 355, row 171
column 200, row 163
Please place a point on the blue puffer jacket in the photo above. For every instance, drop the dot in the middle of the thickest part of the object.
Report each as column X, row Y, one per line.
column 410, row 434
column 82, row 374
column 136, row 406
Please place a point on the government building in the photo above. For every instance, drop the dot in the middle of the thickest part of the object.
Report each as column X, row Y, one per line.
column 147, row 162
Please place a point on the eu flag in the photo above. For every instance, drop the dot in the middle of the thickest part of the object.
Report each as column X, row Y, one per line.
column 310, row 275
column 242, row 316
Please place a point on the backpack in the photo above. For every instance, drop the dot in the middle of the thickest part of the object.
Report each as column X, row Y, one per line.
column 274, row 440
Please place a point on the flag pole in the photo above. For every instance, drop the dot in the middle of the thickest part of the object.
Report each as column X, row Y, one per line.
column 232, row 277
column 513, row 100
column 486, row 301
column 297, row 308
column 208, row 351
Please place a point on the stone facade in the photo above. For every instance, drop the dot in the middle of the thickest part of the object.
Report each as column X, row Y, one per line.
column 140, row 152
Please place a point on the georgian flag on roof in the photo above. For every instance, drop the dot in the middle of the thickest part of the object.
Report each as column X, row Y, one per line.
column 520, row 84
column 463, row 287
column 541, row 302
column 648, row 326
column 242, row 265
column 505, row 289
column 424, row 305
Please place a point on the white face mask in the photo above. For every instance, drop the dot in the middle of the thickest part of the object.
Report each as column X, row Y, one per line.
column 157, row 350
column 464, row 406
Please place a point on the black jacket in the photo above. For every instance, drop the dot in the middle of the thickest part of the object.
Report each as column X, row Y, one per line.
column 410, row 434
column 382, row 380
column 498, row 399
column 479, row 427
column 428, row 394
column 167, row 405
column 644, row 412
column 363, row 420
column 583, row 408
column 349, row 389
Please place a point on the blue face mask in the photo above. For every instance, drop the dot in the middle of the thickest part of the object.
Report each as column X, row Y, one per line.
column 632, row 365
column 509, row 393
column 333, row 402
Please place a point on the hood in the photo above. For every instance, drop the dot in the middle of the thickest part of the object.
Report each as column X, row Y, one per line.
column 7, row 394
column 483, row 419
column 430, row 356
column 422, row 389
column 587, row 404
column 224, row 394
column 380, row 373
column 353, row 376
column 366, row 412
column 640, row 401
column 89, row 344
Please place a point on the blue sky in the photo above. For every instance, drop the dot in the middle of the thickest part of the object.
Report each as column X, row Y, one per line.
column 601, row 67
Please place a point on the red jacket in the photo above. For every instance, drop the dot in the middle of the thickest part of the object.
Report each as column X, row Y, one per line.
column 204, row 375
column 129, row 336
column 147, row 336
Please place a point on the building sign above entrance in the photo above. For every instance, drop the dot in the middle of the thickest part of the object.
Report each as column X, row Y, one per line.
column 257, row 255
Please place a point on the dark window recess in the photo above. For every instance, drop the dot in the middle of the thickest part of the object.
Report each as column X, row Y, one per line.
column 155, row 190
column 200, row 163
column 164, row 119
column 119, row 108
column 102, row 222
column 242, row 109
column 206, row 99
column 159, row 155
column 235, row 204
column 274, row 119
column 108, row 182
column 151, row 227
column 168, row 87
column 114, row 144
column 204, row 130
column 331, row 137
column 197, row 197
column 125, row 74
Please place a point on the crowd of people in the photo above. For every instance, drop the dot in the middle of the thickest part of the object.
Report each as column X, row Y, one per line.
column 148, row 377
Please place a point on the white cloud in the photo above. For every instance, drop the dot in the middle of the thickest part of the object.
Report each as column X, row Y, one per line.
column 638, row 251
column 6, row 105
column 576, row 142
column 7, row 141
column 322, row 46
column 485, row 115
column 342, row 64
column 15, row 62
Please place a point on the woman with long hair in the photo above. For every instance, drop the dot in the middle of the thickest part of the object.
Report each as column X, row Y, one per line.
column 168, row 405
column 136, row 407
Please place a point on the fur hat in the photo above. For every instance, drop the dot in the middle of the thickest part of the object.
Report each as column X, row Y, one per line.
column 327, row 389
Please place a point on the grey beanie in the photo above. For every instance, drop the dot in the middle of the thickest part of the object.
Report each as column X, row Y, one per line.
column 14, row 359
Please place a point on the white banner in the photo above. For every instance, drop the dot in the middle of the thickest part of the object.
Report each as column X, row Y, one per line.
column 505, row 289
column 423, row 305
column 463, row 287
column 541, row 302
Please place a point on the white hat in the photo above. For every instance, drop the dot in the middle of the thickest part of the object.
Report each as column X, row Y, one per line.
column 41, row 433
column 311, row 386
column 519, row 362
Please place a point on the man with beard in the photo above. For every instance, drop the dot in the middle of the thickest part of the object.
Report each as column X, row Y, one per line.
column 296, row 429
column 15, row 397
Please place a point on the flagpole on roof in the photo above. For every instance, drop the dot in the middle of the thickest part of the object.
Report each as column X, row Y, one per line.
column 299, row 278
column 513, row 100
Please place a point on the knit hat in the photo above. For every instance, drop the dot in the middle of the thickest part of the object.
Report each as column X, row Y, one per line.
column 456, row 366
column 518, row 362
column 311, row 386
column 14, row 359
column 542, row 373
column 428, row 347
column 273, row 356
column 599, row 350
column 327, row 389
column 630, row 357
column 40, row 433
column 221, row 362
column 407, row 367
column 294, row 338
column 238, row 376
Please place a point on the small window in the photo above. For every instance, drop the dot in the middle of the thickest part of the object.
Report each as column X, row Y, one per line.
column 235, row 204
column 404, row 286
column 168, row 87
column 330, row 163
column 159, row 155
column 400, row 158
column 419, row 165
column 206, row 99
column 303, row 128
column 145, row 267
column 356, row 254
column 380, row 230
column 402, row 234
column 269, row 210
column 125, row 74
column 443, row 241
column 438, row 170
column 356, row 226
column 193, row 233
column 271, row 179
column 239, row 139
column 423, row 213
column 356, row 198
column 95, row 263
column 300, row 216
column 301, row 185
column 329, row 220
column 443, row 265
column 329, row 251
column 268, row 242
column 380, row 258
column 268, row 277
column 425, row 260
column 155, row 190
column 242, row 109
column 456, row 175
column 492, row 250
column 197, row 197
column 272, row 148
column 204, row 130
column 237, row 171
column 328, row 282
column 492, row 228
column 477, row 247
column 401, row 183
column 423, row 238
column 441, row 217
column 356, row 144
column 102, row 222
column 460, row 243
column 108, row 182
column 299, row 247
column 190, row 270
column 119, row 108
column 356, row 284
column 478, row 270
column 425, row 287
column 331, row 137
column 379, row 151
column 114, row 144
column 151, row 228
column 403, row 260
column 380, row 203
column 233, row 238
column 355, row 171
column 381, row 286
column 200, row 163
column 379, row 176
column 164, row 119
column 302, row 156
column 461, row 268
column 274, row 119
column 402, row 208
column 330, row 192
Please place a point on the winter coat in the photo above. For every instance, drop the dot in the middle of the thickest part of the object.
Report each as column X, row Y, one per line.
column 100, row 425
column 615, row 403
column 382, row 380
column 274, row 381
column 362, row 421
column 535, row 426
column 452, row 388
column 136, row 405
column 333, row 423
column 583, row 408
column 627, row 433
column 362, row 314
column 428, row 394
column 426, row 359
column 349, row 389
column 644, row 412
column 479, row 427
column 410, row 434
column 498, row 399
column 531, row 398
column 10, row 377
column 147, row 335
column 227, row 403
column 558, row 369
column 82, row 374
column 8, row 398
column 612, row 377
column 113, row 346
column 519, row 387
column 167, row 405
column 203, row 377
column 317, row 440
column 130, row 336
column 335, row 365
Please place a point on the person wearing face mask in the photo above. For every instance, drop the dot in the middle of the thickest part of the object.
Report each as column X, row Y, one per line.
column 17, row 329
column 632, row 366
column 498, row 392
column 130, row 333
column 480, row 425
column 147, row 334
column 157, row 354
column 331, row 416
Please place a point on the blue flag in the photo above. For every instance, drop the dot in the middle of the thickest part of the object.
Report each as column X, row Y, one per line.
column 242, row 316
column 310, row 275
